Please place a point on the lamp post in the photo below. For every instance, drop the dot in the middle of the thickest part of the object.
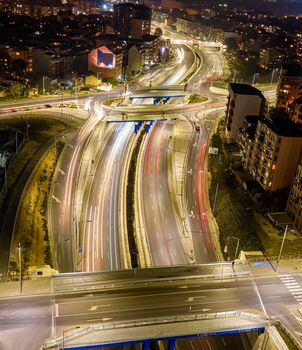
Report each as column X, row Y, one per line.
column 254, row 77
column 237, row 246
column 273, row 73
column 20, row 265
column 280, row 252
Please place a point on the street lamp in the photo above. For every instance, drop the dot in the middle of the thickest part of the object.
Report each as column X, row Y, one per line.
column 280, row 252
column 20, row 265
column 273, row 73
column 237, row 246
column 254, row 77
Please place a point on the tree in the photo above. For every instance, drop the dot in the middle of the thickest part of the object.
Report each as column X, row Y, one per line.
column 158, row 32
column 16, row 90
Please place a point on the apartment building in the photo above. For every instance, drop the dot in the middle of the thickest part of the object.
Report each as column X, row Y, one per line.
column 187, row 27
column 289, row 85
column 271, row 58
column 246, row 137
column 51, row 64
column 276, row 152
column 294, row 203
column 243, row 99
column 295, row 113
column 132, row 20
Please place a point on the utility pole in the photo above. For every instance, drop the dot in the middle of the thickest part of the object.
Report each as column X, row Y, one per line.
column 20, row 265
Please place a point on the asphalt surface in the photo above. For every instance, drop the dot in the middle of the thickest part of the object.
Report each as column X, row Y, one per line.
column 162, row 228
column 101, row 230
column 196, row 192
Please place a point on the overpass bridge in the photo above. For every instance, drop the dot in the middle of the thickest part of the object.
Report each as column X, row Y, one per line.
column 141, row 306
column 93, row 310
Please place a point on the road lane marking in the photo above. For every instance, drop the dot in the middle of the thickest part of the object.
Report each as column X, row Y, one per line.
column 268, row 285
column 151, row 295
column 144, row 307
column 100, row 319
column 294, row 289
column 95, row 307
column 274, row 297
column 57, row 310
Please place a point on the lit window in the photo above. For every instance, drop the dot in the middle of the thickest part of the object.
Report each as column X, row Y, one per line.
column 273, row 166
column 270, row 184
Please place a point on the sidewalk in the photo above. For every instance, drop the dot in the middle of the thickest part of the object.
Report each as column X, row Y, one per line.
column 269, row 267
column 39, row 287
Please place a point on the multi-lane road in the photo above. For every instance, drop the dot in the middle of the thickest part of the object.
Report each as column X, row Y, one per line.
column 88, row 227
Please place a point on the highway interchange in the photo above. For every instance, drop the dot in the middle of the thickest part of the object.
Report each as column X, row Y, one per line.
column 86, row 217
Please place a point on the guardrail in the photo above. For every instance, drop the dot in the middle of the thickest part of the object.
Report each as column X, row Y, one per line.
column 75, row 333
column 136, row 280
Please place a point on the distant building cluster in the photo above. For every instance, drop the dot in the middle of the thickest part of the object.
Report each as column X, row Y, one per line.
column 270, row 142
column 57, row 40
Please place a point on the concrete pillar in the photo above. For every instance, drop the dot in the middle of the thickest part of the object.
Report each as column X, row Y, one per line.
column 171, row 344
column 146, row 345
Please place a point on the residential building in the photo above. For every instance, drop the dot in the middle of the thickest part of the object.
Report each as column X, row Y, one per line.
column 289, row 85
column 132, row 20
column 134, row 61
column 51, row 64
column 276, row 153
column 107, row 61
column 246, row 137
column 295, row 113
column 294, row 202
column 41, row 8
column 243, row 99
column 271, row 58
column 149, row 47
column 187, row 27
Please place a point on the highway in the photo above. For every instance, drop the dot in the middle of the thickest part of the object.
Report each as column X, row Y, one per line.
column 100, row 227
column 61, row 210
column 102, row 233
column 162, row 229
column 196, row 191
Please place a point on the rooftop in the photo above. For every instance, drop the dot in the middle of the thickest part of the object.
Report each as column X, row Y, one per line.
column 245, row 89
column 283, row 127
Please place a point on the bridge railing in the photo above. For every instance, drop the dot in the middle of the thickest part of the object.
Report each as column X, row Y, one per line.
column 78, row 332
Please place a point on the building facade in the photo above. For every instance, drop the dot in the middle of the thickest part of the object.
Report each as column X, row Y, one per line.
column 106, row 61
column 271, row 58
column 132, row 20
column 289, row 85
column 294, row 203
column 295, row 113
column 276, row 152
column 246, row 137
column 51, row 64
column 243, row 100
